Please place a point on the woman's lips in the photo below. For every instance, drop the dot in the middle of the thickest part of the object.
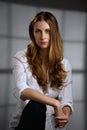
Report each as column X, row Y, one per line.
column 44, row 42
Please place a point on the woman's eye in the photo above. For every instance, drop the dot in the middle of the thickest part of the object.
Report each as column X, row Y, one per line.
column 47, row 31
column 37, row 31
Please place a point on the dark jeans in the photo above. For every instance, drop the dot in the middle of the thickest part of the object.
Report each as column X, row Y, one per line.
column 33, row 117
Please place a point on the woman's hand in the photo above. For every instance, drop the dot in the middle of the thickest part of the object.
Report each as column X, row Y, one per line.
column 61, row 119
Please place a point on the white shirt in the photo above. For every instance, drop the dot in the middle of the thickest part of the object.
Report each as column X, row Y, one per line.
column 24, row 79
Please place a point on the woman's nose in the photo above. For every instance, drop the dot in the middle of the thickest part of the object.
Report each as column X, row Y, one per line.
column 42, row 35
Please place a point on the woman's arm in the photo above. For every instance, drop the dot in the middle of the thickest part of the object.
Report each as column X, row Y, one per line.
column 66, row 99
column 31, row 94
column 67, row 111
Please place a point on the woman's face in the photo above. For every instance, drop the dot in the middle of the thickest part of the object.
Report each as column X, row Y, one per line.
column 42, row 34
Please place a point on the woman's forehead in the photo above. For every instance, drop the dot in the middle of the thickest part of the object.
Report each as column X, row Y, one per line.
column 41, row 24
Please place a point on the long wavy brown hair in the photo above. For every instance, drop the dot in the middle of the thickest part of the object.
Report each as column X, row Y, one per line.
column 56, row 71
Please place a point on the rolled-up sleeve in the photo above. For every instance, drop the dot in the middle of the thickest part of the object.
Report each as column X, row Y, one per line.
column 19, row 75
column 66, row 96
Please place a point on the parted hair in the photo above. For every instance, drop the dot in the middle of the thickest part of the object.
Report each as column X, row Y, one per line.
column 56, row 70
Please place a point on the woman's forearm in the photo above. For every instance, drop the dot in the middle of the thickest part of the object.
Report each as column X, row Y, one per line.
column 37, row 96
column 67, row 111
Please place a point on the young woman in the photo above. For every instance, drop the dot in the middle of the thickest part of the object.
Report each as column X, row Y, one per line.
column 43, row 79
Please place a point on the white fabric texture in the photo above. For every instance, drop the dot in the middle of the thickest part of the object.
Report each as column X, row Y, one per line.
column 24, row 79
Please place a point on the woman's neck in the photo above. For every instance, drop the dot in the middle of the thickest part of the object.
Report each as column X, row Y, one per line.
column 44, row 56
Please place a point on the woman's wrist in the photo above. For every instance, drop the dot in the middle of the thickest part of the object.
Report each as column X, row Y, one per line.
column 56, row 103
column 57, row 107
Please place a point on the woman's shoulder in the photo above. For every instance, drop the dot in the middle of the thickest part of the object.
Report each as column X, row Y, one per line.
column 66, row 63
column 21, row 55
